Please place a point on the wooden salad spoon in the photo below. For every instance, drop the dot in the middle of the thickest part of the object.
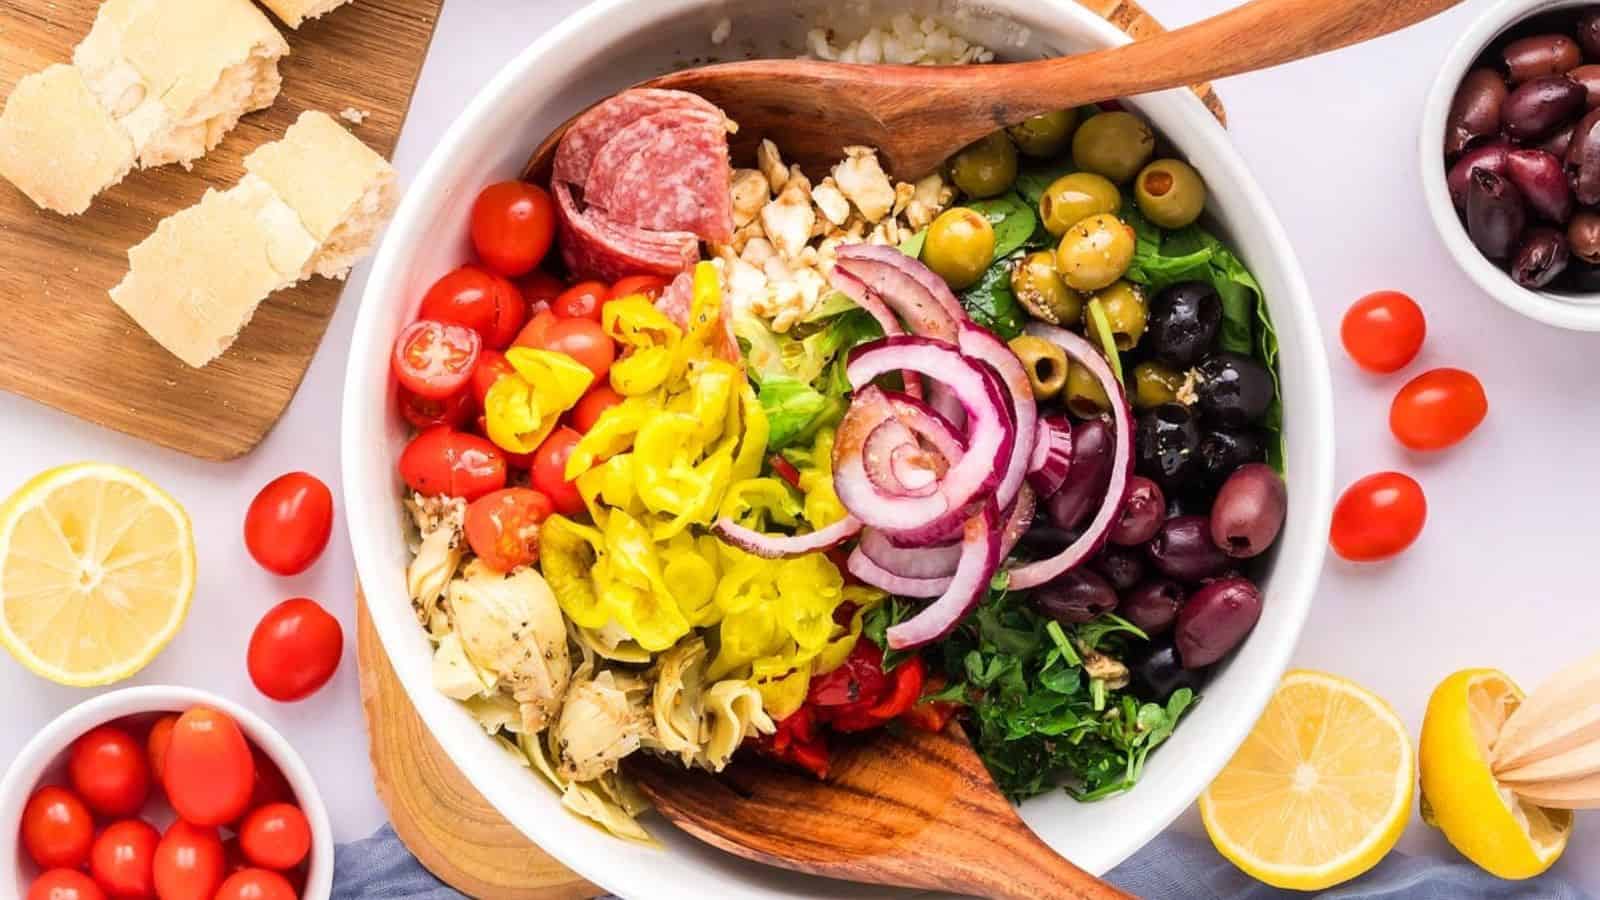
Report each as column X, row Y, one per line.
column 919, row 116
column 903, row 807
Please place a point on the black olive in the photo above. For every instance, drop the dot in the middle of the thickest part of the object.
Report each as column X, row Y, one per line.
column 1122, row 566
column 1158, row 673
column 1166, row 441
column 1234, row 389
column 1183, row 322
column 1224, row 449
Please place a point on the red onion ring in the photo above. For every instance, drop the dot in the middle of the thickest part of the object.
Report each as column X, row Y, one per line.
column 980, row 556
column 1018, row 520
column 932, row 561
column 863, row 567
column 981, row 345
column 929, row 425
column 862, row 259
column 780, row 546
column 896, row 464
column 867, row 299
column 1052, row 455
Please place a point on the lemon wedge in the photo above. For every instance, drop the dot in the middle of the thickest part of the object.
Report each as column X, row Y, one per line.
column 1321, row 789
column 97, row 568
column 1482, row 818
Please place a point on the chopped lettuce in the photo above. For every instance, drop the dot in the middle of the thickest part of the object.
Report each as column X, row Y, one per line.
column 799, row 375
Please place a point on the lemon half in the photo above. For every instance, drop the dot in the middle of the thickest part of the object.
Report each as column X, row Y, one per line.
column 97, row 568
column 1321, row 789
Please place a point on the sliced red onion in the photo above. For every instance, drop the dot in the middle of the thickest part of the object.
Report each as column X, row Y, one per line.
column 1094, row 535
column 1052, row 455
column 867, row 299
column 863, row 567
column 1018, row 520
column 868, row 261
column 929, row 425
column 982, row 345
column 780, row 546
column 946, row 404
column 980, row 557
column 897, row 465
column 869, row 409
column 932, row 561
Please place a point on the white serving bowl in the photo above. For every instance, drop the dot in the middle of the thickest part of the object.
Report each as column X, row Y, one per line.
column 614, row 43
column 1578, row 312
column 43, row 761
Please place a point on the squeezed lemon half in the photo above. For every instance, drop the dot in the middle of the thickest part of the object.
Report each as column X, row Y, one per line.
column 97, row 569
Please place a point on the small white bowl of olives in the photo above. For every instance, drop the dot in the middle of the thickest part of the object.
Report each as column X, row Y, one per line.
column 1510, row 151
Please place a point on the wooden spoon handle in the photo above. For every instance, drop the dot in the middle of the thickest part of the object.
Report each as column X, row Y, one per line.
column 1028, row 869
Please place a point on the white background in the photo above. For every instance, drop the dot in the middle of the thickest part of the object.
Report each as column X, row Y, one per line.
column 1503, row 576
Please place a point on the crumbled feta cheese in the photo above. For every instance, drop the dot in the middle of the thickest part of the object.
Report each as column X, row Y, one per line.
column 908, row 40
column 789, row 219
column 831, row 202
column 771, row 165
column 750, row 191
column 863, row 181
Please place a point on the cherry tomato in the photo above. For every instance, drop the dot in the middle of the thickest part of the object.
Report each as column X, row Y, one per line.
column 539, row 288
column 157, row 743
column 1437, row 409
column 1377, row 517
column 503, row 527
column 189, row 863
column 209, row 772
column 295, row 650
column 537, row 331
column 109, row 771
column 513, row 223
column 599, row 399
column 270, row 786
column 289, row 522
column 65, row 884
column 57, row 829
column 650, row 286
column 491, row 365
column 476, row 298
column 581, row 301
column 1383, row 331
column 433, row 359
column 426, row 412
column 549, row 471
column 123, row 859
column 583, row 340
column 452, row 463
column 275, row 837
column 256, row 884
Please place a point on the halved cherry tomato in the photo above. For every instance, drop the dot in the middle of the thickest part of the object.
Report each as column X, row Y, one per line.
column 57, row 829
column 599, row 399
column 537, row 331
column 275, row 837
column 433, row 359
column 455, row 464
column 123, row 858
column 256, row 884
column 582, row 339
column 503, row 527
column 1438, row 409
column 109, row 771
column 1383, row 331
column 491, row 365
column 513, row 223
column 1378, row 517
column 650, row 286
column 294, row 650
column 157, row 743
column 581, row 301
column 426, row 412
column 189, row 862
column 209, row 771
column 65, row 884
column 288, row 524
column 549, row 471
column 476, row 298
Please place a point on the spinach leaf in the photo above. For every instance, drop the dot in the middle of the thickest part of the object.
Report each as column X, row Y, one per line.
column 1033, row 180
column 875, row 627
column 1013, row 220
column 991, row 304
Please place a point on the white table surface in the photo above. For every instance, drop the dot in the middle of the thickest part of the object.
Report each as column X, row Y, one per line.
column 1503, row 575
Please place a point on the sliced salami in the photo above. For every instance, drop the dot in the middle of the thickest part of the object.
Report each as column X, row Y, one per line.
column 591, row 130
column 678, row 299
column 593, row 246
column 666, row 172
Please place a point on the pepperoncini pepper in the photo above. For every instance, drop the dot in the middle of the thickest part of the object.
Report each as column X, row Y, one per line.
column 522, row 407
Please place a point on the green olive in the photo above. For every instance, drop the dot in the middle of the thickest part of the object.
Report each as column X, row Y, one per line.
column 1170, row 193
column 1039, row 288
column 986, row 168
column 1126, row 312
column 1046, row 134
column 1095, row 252
column 1085, row 396
column 959, row 247
column 1072, row 198
column 1155, row 385
column 1046, row 363
column 1113, row 144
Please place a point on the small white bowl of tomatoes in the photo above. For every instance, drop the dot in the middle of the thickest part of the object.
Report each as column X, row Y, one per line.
column 163, row 792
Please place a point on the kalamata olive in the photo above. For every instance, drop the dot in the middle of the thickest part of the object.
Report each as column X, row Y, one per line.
column 1557, row 144
column 1491, row 156
column 1123, row 567
column 1184, row 319
column 1496, row 214
column 1187, row 505
column 1542, row 181
column 1583, row 159
column 1583, row 236
column 1224, row 449
column 1142, row 513
column 1475, row 111
column 1153, row 605
column 1542, row 257
column 1248, row 512
column 1183, row 549
column 1234, row 389
column 1087, row 477
column 1539, row 55
column 1076, row 597
column 1044, row 541
column 1588, row 33
column 1165, row 441
column 1215, row 619
column 1159, row 673
column 1535, row 109
column 1589, row 77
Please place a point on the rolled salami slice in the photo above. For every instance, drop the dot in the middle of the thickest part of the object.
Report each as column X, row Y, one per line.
column 593, row 246
column 591, row 130
column 667, row 172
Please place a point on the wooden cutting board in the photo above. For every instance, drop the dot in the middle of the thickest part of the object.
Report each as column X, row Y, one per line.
column 63, row 342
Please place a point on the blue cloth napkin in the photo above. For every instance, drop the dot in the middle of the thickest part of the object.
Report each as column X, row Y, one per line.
column 1176, row 866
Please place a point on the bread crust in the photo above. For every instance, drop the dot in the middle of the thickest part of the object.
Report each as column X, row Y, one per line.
column 58, row 144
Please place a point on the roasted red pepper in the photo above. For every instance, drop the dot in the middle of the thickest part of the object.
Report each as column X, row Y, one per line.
column 785, row 470
column 797, row 742
column 857, row 684
column 931, row 715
